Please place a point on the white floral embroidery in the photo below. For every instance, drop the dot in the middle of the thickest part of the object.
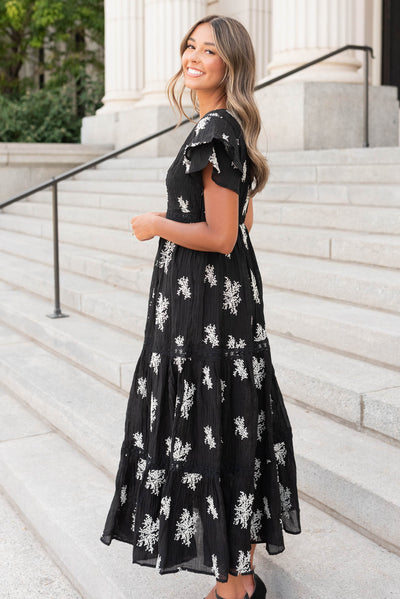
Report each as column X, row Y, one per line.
column 204, row 121
column 244, row 171
column 211, row 335
column 259, row 371
column 155, row 361
column 211, row 509
column 179, row 340
column 180, row 450
column 240, row 428
column 166, row 255
column 280, row 452
column 223, row 387
column 285, row 494
column 141, row 467
column 161, row 311
column 210, row 275
column 225, row 137
column 213, row 159
column 231, row 296
column 257, row 471
column 186, row 527
column 261, row 425
column 240, row 369
column 215, row 565
column 207, row 381
column 208, row 438
column 165, row 506
column 266, row 507
column 138, row 440
column 123, row 496
column 184, row 288
column 183, row 204
column 244, row 235
column 255, row 525
column 142, row 387
column 158, row 564
column 243, row 563
column 187, row 402
column 233, row 344
column 155, row 480
column 168, row 442
column 191, row 479
column 256, row 295
column 261, row 333
column 148, row 533
column 246, row 204
column 133, row 520
column 179, row 363
column 153, row 409
column 243, row 509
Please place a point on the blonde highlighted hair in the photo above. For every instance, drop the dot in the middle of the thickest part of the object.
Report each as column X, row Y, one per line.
column 234, row 46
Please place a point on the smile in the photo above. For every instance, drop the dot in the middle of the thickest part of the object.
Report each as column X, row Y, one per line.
column 194, row 72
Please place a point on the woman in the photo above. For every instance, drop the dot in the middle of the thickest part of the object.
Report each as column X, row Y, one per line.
column 207, row 469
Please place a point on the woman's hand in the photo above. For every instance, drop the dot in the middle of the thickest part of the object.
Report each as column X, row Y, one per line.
column 143, row 226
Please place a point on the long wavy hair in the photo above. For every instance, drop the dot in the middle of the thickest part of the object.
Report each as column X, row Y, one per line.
column 234, row 46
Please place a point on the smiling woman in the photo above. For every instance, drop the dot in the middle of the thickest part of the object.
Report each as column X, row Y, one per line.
column 207, row 468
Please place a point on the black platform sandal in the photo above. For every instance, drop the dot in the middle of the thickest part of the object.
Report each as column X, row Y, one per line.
column 260, row 590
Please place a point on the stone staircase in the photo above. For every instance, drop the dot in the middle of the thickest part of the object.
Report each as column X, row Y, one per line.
column 327, row 240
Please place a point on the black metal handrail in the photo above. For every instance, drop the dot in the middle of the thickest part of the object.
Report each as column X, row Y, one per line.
column 74, row 171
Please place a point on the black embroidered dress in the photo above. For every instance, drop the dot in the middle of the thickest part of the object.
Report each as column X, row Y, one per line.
column 207, row 464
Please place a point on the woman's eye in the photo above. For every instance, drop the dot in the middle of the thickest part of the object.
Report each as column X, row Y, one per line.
column 189, row 46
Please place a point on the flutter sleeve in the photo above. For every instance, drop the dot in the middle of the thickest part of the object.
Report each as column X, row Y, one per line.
column 216, row 141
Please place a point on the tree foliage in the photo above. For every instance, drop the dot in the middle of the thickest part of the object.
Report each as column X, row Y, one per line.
column 26, row 26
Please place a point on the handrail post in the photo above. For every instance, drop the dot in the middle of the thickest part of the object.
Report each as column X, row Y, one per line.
column 57, row 308
column 366, row 106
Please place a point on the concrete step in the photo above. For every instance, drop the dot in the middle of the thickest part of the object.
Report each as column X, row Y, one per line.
column 114, row 269
column 65, row 497
column 145, row 188
column 99, row 200
column 334, row 462
column 112, row 240
column 357, row 331
column 354, row 330
column 364, row 396
column 349, row 218
column 376, row 194
column 378, row 250
column 26, row 569
column 370, row 286
column 108, row 354
column 342, row 246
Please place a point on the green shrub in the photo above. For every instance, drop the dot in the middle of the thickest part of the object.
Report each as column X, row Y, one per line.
column 45, row 115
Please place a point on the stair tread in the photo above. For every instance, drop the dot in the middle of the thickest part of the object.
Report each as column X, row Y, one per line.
column 26, row 569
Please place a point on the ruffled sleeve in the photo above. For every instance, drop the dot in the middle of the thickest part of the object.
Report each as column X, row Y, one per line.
column 215, row 140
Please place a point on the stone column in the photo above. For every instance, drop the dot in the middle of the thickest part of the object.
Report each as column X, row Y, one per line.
column 306, row 29
column 124, row 54
column 166, row 22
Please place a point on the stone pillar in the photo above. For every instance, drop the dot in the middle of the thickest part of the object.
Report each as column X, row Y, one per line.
column 166, row 22
column 124, row 54
column 306, row 29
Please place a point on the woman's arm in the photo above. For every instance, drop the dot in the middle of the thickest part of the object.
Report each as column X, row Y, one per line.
column 217, row 234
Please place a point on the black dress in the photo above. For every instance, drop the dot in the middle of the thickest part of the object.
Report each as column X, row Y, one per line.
column 207, row 464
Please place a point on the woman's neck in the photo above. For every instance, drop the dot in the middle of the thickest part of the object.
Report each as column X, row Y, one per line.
column 209, row 102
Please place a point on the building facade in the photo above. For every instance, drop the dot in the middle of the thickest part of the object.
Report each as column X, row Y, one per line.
column 142, row 39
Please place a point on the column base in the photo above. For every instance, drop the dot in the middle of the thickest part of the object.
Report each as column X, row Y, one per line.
column 305, row 115
column 127, row 126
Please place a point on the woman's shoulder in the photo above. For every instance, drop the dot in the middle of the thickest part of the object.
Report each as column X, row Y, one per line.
column 220, row 124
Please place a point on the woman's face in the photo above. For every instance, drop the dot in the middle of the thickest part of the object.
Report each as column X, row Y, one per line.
column 203, row 68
